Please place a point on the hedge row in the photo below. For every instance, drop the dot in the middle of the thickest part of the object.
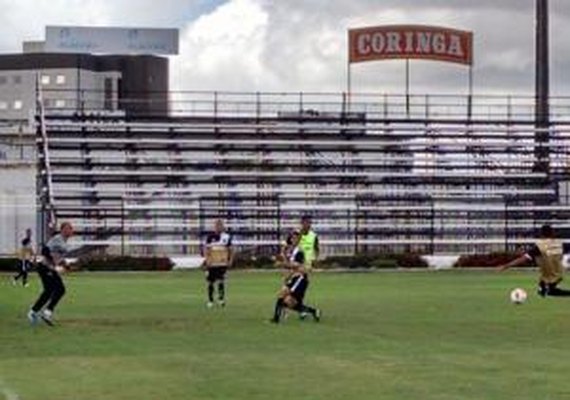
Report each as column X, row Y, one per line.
column 106, row 264
column 242, row 261
column 377, row 261
column 491, row 260
column 8, row 264
column 120, row 263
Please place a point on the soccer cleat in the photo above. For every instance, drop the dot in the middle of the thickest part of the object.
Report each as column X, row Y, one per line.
column 32, row 317
column 542, row 291
column 221, row 303
column 317, row 315
column 47, row 317
column 302, row 315
column 209, row 304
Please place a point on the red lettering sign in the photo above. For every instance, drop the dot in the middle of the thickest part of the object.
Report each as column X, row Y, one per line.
column 410, row 41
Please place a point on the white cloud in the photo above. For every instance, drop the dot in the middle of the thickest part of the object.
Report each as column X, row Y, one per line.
column 222, row 50
column 299, row 45
column 26, row 19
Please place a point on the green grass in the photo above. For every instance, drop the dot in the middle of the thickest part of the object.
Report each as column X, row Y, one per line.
column 420, row 335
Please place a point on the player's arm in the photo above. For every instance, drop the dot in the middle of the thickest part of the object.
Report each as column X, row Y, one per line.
column 524, row 258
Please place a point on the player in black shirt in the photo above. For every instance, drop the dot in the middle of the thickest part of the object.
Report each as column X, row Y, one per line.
column 292, row 294
column 218, row 257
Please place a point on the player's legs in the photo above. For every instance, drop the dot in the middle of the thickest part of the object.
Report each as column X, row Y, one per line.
column 48, row 288
column 221, row 278
column 278, row 310
column 555, row 291
column 216, row 277
column 298, row 291
column 21, row 271
column 291, row 296
column 58, row 292
column 27, row 266
column 210, row 279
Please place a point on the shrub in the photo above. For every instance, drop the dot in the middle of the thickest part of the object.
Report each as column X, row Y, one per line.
column 121, row 263
column 490, row 260
column 410, row 260
column 9, row 264
column 245, row 261
column 381, row 260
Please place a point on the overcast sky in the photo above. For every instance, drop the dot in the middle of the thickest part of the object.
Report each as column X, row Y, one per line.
column 301, row 45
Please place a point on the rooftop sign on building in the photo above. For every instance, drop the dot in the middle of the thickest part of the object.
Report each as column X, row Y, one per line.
column 100, row 40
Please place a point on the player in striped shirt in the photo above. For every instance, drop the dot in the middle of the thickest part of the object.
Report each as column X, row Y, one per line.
column 292, row 294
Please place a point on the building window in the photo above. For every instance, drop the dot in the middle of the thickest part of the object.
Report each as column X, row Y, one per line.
column 3, row 105
column 60, row 79
column 18, row 104
column 3, row 80
column 17, row 79
column 59, row 103
column 45, row 79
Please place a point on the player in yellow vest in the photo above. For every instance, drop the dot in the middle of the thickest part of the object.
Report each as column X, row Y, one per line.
column 547, row 254
column 309, row 243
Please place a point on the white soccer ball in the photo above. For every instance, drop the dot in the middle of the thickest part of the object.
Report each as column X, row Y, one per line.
column 518, row 296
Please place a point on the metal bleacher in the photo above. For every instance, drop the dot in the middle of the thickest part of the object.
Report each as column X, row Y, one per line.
column 432, row 177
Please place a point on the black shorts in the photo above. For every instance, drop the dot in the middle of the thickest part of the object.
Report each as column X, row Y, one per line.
column 298, row 285
column 216, row 274
column 25, row 265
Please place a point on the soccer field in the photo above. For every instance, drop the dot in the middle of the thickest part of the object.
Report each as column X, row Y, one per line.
column 390, row 335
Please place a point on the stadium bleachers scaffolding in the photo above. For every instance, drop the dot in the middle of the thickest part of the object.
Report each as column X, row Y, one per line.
column 444, row 175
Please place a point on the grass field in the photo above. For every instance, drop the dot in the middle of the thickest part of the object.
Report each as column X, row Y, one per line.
column 416, row 335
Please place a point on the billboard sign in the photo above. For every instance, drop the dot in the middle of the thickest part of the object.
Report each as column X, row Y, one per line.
column 410, row 42
column 100, row 40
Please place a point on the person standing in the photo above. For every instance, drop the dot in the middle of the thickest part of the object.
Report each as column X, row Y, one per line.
column 547, row 255
column 309, row 243
column 26, row 255
column 49, row 270
column 218, row 256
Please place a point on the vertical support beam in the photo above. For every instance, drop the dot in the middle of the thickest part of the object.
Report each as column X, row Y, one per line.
column 470, row 94
column 542, row 109
column 407, row 87
column 542, row 87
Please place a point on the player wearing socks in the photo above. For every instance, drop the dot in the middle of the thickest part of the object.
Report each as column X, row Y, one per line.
column 26, row 255
column 547, row 255
column 292, row 294
column 49, row 270
column 218, row 257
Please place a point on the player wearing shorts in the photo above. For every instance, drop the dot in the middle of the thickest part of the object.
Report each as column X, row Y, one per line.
column 547, row 255
column 292, row 294
column 26, row 257
column 218, row 256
